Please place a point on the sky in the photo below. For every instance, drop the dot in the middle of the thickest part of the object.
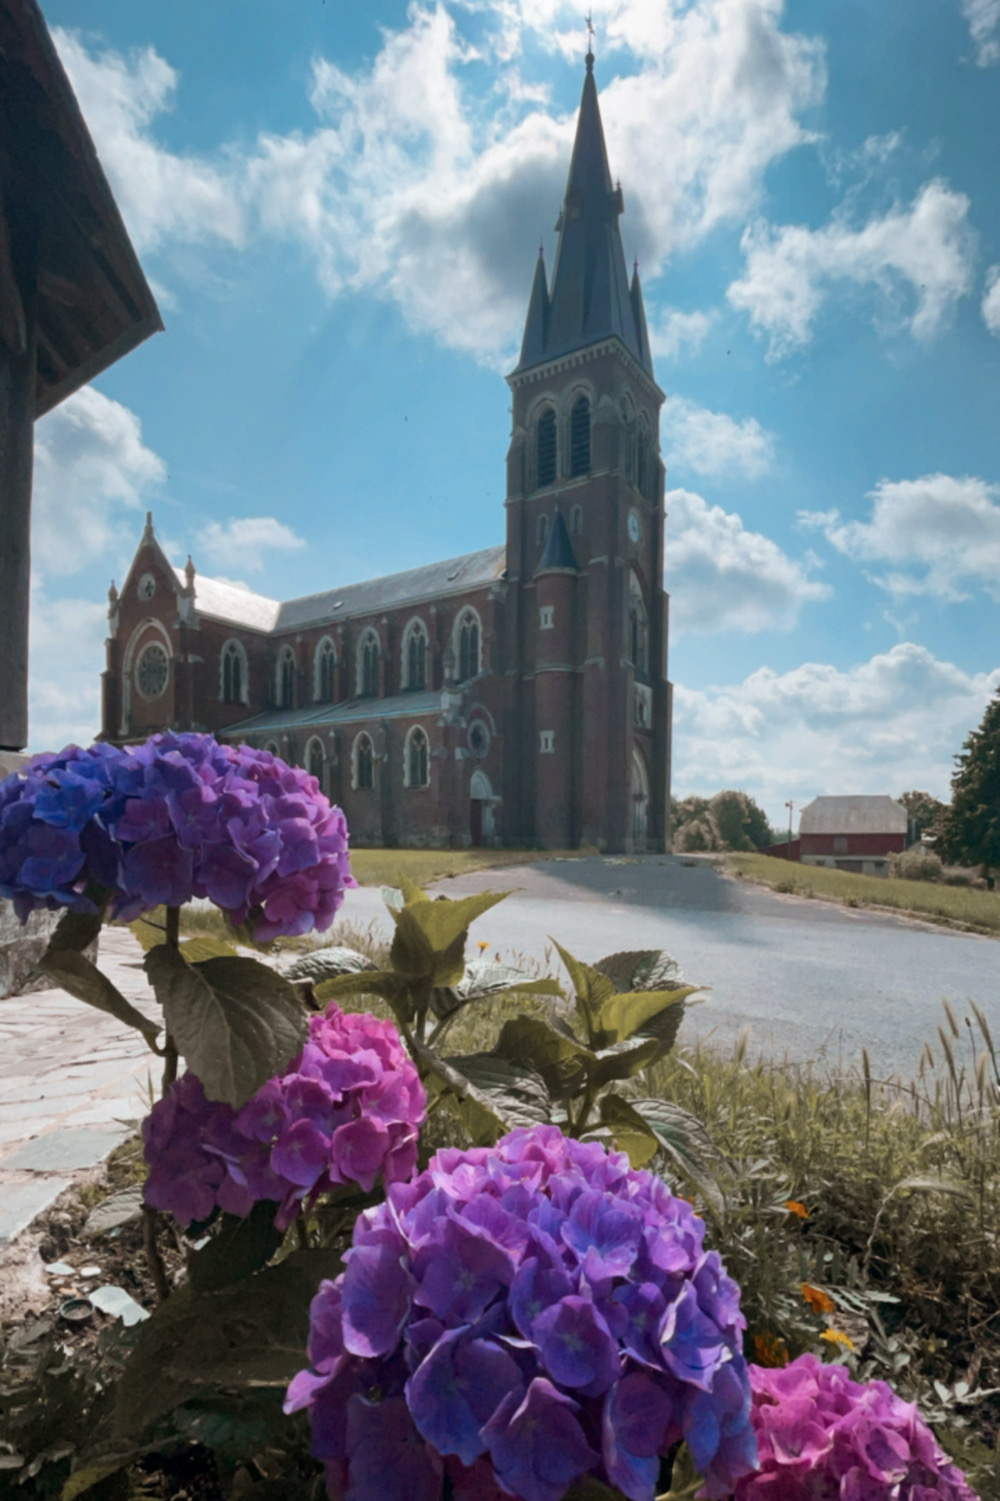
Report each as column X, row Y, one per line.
column 339, row 207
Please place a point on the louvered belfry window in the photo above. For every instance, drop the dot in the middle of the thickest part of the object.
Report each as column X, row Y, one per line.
column 579, row 437
column 547, row 448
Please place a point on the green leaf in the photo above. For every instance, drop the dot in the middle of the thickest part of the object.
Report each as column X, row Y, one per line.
column 76, row 931
column 120, row 1209
column 235, row 1021
column 622, row 1061
column 685, row 1140
column 630, row 1131
column 484, row 977
column 932, row 1183
column 244, row 1336
column 234, row 1428
column 514, row 1091
column 592, row 990
column 323, row 964
column 591, row 1489
column 381, row 982
column 482, row 1120
column 197, row 950
column 238, row 1248
column 430, row 936
column 75, row 973
column 150, row 934
column 560, row 1059
column 641, row 969
column 624, row 1016
column 89, row 1475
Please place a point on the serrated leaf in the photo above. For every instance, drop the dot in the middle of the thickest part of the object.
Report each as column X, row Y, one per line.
column 482, row 978
column 514, row 1091
column 643, row 1013
column 234, row 1429
column 562, row 1061
column 75, row 973
column 430, row 937
column 240, row 1247
column 76, row 931
column 483, row 1122
column 592, row 990
column 686, row 1141
column 622, row 1061
column 629, row 1130
column 324, row 964
column 150, row 934
column 235, row 1022
column 641, row 969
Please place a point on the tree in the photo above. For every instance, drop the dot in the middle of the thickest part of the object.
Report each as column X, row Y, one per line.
column 730, row 820
column 970, row 831
column 923, row 811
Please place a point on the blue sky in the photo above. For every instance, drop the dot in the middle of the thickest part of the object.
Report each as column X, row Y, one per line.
column 339, row 209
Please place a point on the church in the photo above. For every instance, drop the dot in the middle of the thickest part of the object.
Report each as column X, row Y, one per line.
column 514, row 696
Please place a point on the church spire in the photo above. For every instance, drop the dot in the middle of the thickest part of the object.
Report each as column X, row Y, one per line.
column 639, row 315
column 533, row 343
column 590, row 298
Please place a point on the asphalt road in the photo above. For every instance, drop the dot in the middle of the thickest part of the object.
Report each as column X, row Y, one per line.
column 811, row 980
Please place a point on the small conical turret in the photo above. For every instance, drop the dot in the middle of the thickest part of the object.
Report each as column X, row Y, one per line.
column 558, row 551
column 148, row 535
column 536, row 323
column 189, row 575
column 639, row 315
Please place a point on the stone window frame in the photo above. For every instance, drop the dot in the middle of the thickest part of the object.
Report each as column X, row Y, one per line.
column 410, row 748
column 415, row 628
column 326, row 652
column 284, row 685
column 356, row 783
column 369, row 637
column 468, row 615
column 546, row 617
column 233, row 650
column 546, row 742
column 315, row 741
column 143, row 653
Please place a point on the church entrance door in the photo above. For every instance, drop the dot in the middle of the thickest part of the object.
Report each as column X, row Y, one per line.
column 481, row 808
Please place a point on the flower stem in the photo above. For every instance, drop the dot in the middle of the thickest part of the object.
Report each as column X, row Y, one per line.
column 150, row 1221
column 169, row 1047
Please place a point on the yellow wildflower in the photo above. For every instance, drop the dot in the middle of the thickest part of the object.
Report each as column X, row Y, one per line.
column 837, row 1337
column 484, row 943
column 818, row 1300
column 799, row 1210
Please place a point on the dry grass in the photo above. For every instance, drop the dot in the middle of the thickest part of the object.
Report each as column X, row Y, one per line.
column 977, row 911
column 384, row 867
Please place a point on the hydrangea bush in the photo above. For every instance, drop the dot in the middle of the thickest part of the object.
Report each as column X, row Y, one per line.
column 178, row 817
column 821, row 1434
column 517, row 1317
column 348, row 1108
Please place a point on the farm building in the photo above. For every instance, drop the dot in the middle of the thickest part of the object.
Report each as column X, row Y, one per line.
column 852, row 833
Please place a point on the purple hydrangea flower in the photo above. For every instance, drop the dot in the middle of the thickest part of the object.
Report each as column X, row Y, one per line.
column 822, row 1434
column 542, row 1311
column 178, row 817
column 287, row 1143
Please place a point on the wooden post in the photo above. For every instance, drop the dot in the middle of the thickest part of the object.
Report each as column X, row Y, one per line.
column 18, row 262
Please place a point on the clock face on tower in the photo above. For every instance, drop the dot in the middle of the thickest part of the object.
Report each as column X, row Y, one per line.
column 147, row 586
column 634, row 527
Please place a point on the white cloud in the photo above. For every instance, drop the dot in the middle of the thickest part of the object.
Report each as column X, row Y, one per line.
column 983, row 17
column 893, row 722
column 247, row 541
column 723, row 578
column 942, row 530
column 67, row 657
column 714, row 444
column 991, row 301
column 673, row 332
column 417, row 186
column 162, row 195
column 922, row 255
column 90, row 465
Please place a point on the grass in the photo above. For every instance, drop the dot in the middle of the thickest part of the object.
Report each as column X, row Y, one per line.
column 976, row 911
column 382, row 867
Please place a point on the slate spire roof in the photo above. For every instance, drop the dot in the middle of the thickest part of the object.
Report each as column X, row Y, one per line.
column 558, row 550
column 590, row 299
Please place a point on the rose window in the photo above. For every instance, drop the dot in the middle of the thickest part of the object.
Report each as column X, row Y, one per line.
column 153, row 671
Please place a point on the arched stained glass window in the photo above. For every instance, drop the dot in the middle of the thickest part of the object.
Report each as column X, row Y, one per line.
column 368, row 660
column 642, row 466
column 364, row 764
column 315, row 759
column 326, row 661
column 417, row 758
column 579, row 437
column 416, row 655
column 286, row 679
column 468, row 643
column 545, row 437
column 638, row 627
column 234, row 673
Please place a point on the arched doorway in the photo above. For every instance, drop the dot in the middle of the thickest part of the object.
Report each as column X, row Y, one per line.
column 640, row 800
column 481, row 809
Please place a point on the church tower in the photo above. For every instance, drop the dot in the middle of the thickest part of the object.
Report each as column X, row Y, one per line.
column 587, row 613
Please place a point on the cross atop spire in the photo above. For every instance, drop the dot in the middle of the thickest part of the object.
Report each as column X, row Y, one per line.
column 590, row 298
column 590, row 43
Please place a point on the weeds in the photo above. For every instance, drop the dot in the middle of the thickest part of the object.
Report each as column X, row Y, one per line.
column 977, row 911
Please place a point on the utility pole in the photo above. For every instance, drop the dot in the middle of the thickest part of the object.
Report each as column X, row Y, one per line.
column 789, row 805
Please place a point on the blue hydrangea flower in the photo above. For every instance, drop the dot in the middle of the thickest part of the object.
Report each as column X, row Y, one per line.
column 535, row 1312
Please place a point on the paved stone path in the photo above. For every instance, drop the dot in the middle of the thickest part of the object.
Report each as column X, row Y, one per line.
column 73, row 1082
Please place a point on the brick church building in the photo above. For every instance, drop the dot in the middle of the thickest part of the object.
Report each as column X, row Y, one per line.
column 517, row 695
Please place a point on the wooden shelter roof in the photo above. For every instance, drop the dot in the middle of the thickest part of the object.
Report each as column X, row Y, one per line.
column 93, row 301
